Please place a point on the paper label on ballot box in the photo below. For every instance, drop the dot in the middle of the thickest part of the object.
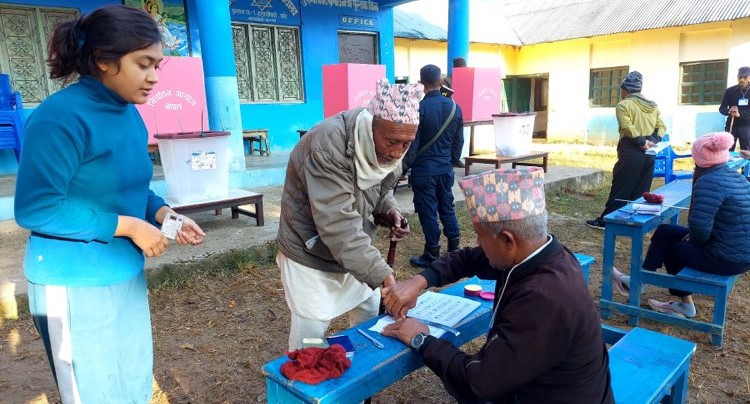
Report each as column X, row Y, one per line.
column 203, row 161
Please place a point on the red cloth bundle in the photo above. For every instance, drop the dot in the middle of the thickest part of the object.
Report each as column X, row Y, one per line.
column 314, row 365
column 653, row 198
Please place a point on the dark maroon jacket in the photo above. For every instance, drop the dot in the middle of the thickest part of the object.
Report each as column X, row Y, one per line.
column 545, row 345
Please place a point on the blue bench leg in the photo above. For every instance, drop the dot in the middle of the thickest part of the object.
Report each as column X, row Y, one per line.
column 635, row 277
column 720, row 316
column 680, row 388
column 608, row 262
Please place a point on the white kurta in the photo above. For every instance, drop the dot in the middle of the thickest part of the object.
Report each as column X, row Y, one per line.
column 320, row 295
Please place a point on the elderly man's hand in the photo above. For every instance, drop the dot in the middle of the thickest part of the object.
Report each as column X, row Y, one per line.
column 397, row 233
column 401, row 297
column 405, row 329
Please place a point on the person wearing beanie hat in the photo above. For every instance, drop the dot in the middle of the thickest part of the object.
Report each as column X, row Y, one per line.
column 640, row 128
column 545, row 336
column 436, row 149
column 341, row 174
column 715, row 240
column 734, row 105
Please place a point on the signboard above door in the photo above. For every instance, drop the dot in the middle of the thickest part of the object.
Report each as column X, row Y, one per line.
column 284, row 12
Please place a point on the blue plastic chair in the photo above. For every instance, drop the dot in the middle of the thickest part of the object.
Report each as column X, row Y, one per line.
column 664, row 164
column 11, row 118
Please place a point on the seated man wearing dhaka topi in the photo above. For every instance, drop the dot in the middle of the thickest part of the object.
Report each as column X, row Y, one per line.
column 544, row 343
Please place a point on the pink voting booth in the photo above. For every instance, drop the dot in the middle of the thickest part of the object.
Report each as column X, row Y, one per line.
column 349, row 85
column 178, row 101
column 477, row 91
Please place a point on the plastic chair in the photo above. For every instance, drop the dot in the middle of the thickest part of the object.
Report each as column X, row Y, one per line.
column 664, row 164
column 11, row 121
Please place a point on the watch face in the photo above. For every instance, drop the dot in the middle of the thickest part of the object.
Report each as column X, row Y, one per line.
column 417, row 340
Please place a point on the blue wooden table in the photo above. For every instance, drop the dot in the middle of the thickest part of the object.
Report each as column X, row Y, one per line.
column 382, row 367
column 636, row 226
column 662, row 362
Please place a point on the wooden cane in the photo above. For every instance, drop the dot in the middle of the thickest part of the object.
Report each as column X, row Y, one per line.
column 731, row 124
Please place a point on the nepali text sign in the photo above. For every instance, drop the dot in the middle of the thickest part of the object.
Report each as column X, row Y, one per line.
column 265, row 11
column 354, row 5
column 178, row 101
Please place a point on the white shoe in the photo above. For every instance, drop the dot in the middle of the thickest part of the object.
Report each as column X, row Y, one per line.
column 621, row 282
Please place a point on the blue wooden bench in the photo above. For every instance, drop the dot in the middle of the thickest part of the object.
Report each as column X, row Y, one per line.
column 664, row 164
column 374, row 369
column 585, row 261
column 676, row 193
column 636, row 226
column 691, row 280
column 648, row 367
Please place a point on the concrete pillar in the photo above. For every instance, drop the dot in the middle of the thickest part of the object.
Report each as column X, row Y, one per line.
column 458, row 31
column 217, row 52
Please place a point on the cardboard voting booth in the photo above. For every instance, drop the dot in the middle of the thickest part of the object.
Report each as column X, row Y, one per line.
column 477, row 90
column 349, row 85
column 178, row 101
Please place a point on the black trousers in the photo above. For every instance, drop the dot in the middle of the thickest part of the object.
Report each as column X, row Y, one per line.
column 741, row 134
column 631, row 177
column 669, row 248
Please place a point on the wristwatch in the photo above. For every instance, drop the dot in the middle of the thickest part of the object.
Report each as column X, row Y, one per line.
column 417, row 340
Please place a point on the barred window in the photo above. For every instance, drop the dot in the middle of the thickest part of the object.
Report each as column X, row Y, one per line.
column 268, row 61
column 703, row 82
column 24, row 32
column 604, row 87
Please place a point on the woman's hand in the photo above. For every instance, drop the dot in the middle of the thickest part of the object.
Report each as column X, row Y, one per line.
column 146, row 236
column 190, row 233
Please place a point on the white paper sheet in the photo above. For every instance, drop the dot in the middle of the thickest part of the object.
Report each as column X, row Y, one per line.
column 656, row 149
column 438, row 308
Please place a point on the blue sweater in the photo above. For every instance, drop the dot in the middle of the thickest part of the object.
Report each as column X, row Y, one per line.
column 436, row 159
column 720, row 214
column 84, row 162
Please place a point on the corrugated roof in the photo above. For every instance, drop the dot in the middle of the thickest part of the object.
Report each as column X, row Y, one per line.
column 406, row 25
column 542, row 21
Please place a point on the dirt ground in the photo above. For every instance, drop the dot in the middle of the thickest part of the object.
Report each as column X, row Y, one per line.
column 214, row 329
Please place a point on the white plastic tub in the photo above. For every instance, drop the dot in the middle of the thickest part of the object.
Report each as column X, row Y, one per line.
column 196, row 165
column 513, row 133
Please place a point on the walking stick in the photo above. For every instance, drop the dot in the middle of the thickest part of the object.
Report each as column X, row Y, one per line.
column 386, row 221
column 731, row 124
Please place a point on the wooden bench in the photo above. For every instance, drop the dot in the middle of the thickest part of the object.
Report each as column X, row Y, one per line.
column 260, row 136
column 497, row 161
column 717, row 286
column 471, row 125
column 236, row 199
column 646, row 366
column 153, row 149
column 585, row 261
column 676, row 193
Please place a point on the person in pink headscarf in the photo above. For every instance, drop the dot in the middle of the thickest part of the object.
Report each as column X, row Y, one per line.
column 339, row 176
column 715, row 240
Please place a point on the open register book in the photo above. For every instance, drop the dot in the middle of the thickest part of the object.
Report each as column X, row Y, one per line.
column 437, row 308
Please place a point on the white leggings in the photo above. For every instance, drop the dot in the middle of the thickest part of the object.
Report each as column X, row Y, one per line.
column 309, row 328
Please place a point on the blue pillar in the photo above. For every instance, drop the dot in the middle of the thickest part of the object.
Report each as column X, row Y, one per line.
column 217, row 52
column 458, row 31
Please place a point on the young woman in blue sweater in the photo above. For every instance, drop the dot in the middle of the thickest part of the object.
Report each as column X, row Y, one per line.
column 715, row 240
column 83, row 191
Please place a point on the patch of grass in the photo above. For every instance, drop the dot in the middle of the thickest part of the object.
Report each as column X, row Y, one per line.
column 245, row 260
